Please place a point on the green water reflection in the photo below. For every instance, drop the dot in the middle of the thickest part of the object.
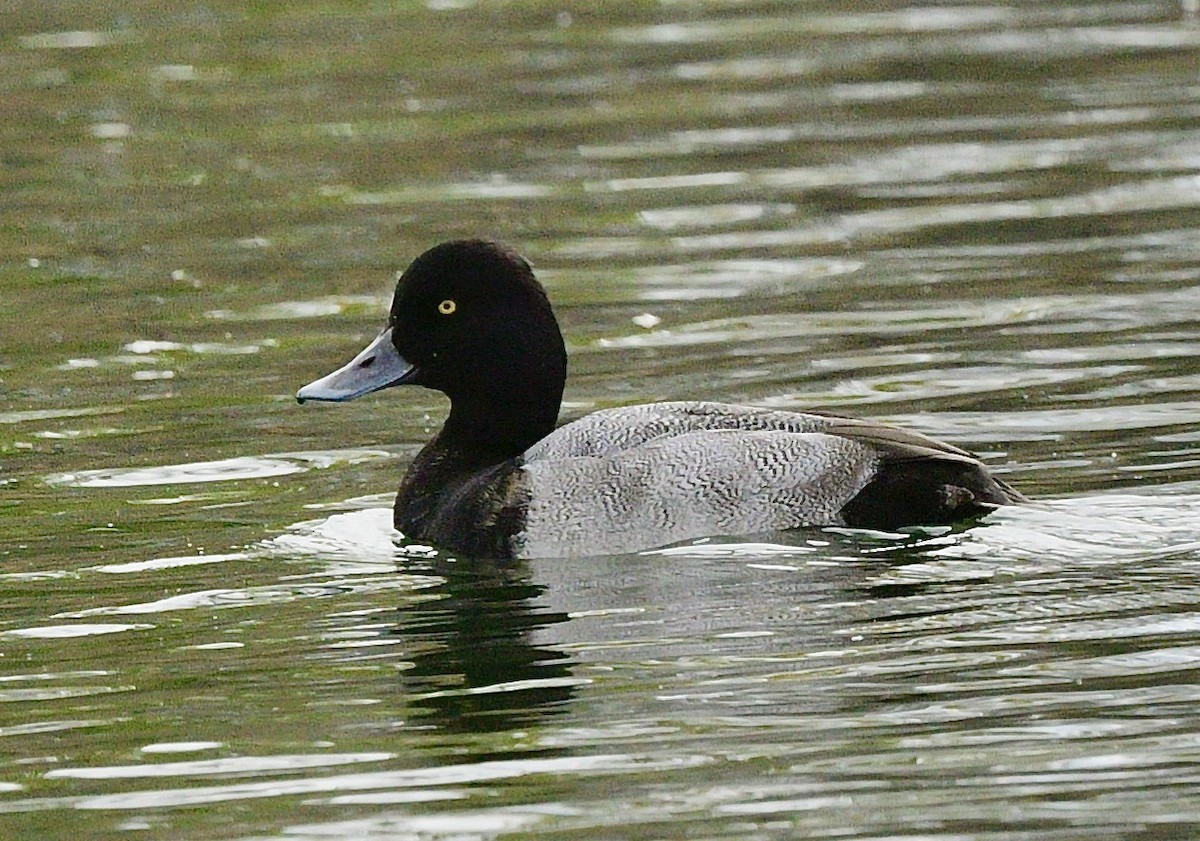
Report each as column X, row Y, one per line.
column 981, row 221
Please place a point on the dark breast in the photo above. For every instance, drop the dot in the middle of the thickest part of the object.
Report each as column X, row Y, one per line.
column 476, row 515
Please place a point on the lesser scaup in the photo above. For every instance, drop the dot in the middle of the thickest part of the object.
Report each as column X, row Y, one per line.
column 470, row 320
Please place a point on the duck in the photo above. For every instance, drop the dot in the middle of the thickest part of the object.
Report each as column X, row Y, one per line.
column 502, row 479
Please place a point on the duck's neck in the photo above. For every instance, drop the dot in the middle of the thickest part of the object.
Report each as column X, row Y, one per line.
column 495, row 428
column 502, row 407
column 479, row 437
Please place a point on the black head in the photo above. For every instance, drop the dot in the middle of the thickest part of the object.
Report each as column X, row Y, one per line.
column 470, row 315
column 470, row 320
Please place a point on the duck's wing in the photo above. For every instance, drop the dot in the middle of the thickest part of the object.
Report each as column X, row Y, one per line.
column 895, row 441
column 686, row 486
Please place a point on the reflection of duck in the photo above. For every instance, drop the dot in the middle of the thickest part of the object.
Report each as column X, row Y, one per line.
column 469, row 319
column 474, row 666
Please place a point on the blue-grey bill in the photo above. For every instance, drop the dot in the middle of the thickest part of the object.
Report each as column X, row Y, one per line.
column 377, row 366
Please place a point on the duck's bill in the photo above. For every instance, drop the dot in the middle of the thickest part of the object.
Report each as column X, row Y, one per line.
column 377, row 366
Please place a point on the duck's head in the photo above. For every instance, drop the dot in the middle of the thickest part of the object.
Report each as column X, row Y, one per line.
column 470, row 320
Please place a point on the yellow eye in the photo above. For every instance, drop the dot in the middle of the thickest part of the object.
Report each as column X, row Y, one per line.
column 447, row 306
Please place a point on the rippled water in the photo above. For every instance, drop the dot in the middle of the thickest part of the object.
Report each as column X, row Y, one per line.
column 980, row 221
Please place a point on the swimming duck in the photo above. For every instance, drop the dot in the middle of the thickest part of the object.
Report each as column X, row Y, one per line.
column 470, row 320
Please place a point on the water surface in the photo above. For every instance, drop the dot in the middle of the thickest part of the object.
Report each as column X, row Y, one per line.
column 980, row 221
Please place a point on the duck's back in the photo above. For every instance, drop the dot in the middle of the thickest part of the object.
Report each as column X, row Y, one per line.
column 612, row 430
column 633, row 477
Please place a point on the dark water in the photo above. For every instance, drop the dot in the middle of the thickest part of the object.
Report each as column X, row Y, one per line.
column 981, row 221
